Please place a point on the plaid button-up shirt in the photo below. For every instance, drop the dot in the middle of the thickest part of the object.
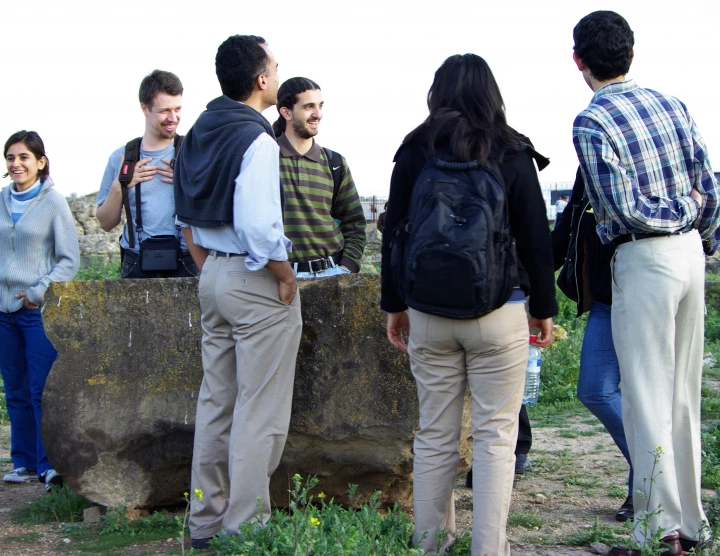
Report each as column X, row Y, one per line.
column 641, row 154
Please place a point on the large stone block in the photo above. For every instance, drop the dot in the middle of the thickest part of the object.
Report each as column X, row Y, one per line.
column 119, row 404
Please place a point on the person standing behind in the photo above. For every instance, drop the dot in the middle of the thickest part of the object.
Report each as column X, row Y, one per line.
column 561, row 204
column 227, row 188
column 586, row 279
column 323, row 215
column 38, row 245
column 489, row 353
column 161, row 103
column 650, row 184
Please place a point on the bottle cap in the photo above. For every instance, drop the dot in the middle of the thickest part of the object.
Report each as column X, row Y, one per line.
column 533, row 338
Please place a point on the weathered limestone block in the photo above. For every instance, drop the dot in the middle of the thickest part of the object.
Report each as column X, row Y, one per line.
column 93, row 241
column 119, row 404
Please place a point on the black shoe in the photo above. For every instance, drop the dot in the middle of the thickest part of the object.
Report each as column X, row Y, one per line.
column 201, row 544
column 626, row 511
column 468, row 479
column 689, row 544
column 522, row 463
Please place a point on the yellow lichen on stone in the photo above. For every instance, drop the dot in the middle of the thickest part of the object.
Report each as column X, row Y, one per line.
column 97, row 380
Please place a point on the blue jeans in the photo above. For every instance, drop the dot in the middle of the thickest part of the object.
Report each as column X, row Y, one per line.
column 599, row 380
column 25, row 360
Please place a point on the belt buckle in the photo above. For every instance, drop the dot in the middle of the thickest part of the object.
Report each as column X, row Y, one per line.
column 321, row 265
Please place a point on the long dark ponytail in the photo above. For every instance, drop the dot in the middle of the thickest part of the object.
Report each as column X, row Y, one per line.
column 288, row 96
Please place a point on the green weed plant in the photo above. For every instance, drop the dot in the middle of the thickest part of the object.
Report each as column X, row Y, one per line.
column 314, row 525
column 60, row 505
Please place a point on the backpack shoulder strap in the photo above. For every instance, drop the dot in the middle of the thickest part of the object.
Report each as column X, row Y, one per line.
column 177, row 143
column 132, row 155
column 335, row 162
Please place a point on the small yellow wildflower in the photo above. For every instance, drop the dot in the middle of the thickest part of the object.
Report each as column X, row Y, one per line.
column 198, row 494
column 314, row 521
column 321, row 495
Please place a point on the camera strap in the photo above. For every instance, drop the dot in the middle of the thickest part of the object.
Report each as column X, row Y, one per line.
column 132, row 156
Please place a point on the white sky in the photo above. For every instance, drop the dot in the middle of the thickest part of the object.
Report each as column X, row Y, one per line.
column 73, row 68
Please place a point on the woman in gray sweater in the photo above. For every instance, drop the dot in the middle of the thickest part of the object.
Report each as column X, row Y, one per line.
column 38, row 245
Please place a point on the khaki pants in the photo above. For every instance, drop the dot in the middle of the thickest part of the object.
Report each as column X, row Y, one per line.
column 489, row 354
column 658, row 325
column 250, row 342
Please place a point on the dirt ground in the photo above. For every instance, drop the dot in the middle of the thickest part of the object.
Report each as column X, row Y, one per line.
column 576, row 468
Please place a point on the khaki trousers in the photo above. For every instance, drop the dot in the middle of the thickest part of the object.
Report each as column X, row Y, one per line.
column 658, row 326
column 489, row 354
column 250, row 342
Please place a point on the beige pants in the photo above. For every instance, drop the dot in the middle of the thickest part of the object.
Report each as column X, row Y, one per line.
column 658, row 325
column 489, row 354
column 250, row 342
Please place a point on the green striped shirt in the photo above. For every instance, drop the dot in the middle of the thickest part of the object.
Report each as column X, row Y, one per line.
column 310, row 217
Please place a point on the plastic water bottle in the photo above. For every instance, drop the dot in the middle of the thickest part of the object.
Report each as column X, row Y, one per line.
column 532, row 374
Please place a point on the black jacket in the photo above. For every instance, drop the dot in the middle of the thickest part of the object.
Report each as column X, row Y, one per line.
column 528, row 221
column 585, row 276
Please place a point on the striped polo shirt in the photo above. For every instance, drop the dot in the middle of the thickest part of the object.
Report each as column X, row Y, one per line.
column 316, row 228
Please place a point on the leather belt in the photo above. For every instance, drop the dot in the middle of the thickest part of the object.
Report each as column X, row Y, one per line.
column 636, row 237
column 318, row 265
column 223, row 254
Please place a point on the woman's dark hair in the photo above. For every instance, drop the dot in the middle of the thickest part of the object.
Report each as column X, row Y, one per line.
column 238, row 62
column 467, row 110
column 34, row 144
column 288, row 94
column 604, row 42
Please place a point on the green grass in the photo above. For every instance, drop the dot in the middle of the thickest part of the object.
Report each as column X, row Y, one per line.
column 617, row 491
column 4, row 418
column 30, row 536
column 99, row 268
column 574, row 480
column 711, row 458
column 528, row 520
column 90, row 539
column 585, row 536
column 561, row 361
column 574, row 433
column 61, row 505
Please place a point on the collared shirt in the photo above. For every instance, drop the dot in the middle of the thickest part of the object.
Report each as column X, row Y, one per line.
column 257, row 227
column 641, row 154
column 317, row 226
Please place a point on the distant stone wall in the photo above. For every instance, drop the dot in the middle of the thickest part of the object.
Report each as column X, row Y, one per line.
column 94, row 242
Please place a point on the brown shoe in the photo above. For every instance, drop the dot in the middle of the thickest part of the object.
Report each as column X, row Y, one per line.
column 672, row 541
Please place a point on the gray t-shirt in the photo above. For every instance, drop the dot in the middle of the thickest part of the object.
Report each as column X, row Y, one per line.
column 157, row 198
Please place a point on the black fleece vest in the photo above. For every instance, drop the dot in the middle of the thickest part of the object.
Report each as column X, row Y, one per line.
column 209, row 161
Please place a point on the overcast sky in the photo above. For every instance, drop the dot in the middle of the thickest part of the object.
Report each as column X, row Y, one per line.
column 72, row 68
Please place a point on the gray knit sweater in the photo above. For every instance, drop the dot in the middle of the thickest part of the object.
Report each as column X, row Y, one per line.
column 41, row 248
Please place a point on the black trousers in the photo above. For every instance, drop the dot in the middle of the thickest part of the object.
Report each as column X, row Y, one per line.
column 524, row 440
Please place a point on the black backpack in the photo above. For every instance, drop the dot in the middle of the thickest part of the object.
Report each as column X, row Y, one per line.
column 453, row 256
